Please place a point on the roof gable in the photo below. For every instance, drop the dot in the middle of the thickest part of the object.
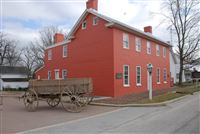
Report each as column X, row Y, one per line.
column 113, row 23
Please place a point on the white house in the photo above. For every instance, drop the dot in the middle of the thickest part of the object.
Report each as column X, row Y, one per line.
column 13, row 77
column 175, row 67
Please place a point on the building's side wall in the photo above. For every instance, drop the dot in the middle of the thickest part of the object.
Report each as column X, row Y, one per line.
column 90, row 54
column 172, row 68
column 132, row 58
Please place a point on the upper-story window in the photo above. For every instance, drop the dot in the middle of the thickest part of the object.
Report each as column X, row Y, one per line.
column 65, row 51
column 125, row 41
column 157, row 50
column 84, row 24
column 64, row 74
column 164, row 52
column 49, row 54
column 95, row 20
column 148, row 47
column 138, row 44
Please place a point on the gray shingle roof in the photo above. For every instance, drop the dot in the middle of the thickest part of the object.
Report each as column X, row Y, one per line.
column 13, row 70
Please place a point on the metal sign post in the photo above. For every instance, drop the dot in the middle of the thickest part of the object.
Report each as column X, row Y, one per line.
column 150, row 68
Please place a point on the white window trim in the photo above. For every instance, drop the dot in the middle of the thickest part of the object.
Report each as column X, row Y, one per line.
column 136, row 46
column 157, row 75
column 64, row 56
column 95, row 19
column 165, row 70
column 148, row 42
column 139, row 84
column 164, row 52
column 126, row 85
column 49, row 72
column 49, row 54
column 63, row 73
column 157, row 49
column 84, row 22
column 124, row 36
column 57, row 70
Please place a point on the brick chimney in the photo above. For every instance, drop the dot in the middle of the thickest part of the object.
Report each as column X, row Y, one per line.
column 92, row 4
column 148, row 29
column 58, row 37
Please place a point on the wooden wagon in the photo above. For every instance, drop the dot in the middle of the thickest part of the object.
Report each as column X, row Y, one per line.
column 73, row 94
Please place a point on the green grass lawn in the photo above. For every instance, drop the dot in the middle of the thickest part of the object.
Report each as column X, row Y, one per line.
column 162, row 98
column 171, row 95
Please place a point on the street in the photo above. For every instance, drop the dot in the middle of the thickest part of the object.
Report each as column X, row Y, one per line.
column 179, row 117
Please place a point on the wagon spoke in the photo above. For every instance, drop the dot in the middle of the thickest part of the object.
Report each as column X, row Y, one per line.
column 31, row 100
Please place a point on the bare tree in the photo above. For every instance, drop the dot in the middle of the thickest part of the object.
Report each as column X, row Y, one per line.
column 9, row 53
column 29, row 60
column 4, row 44
column 184, row 17
column 13, row 55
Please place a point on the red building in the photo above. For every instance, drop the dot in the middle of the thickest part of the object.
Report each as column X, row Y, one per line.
column 113, row 54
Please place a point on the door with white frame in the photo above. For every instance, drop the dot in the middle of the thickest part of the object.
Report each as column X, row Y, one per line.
column 57, row 74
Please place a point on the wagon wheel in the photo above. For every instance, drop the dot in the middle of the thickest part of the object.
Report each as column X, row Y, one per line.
column 53, row 101
column 72, row 100
column 31, row 100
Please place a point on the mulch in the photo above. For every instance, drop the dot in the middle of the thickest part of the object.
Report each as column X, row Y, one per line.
column 135, row 97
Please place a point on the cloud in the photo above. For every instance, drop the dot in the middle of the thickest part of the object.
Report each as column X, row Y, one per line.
column 24, row 19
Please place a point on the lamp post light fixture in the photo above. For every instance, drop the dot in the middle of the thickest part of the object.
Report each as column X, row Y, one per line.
column 150, row 69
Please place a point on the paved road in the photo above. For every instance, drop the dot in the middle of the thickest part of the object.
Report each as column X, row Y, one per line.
column 181, row 117
column 14, row 117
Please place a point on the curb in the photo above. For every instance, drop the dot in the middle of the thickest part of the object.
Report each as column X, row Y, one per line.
column 140, row 105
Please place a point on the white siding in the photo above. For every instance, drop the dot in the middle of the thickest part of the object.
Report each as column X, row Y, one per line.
column 15, row 84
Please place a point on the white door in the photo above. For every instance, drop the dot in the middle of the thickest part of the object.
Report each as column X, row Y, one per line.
column 56, row 74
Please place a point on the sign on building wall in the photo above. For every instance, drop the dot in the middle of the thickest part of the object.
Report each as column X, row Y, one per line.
column 118, row 75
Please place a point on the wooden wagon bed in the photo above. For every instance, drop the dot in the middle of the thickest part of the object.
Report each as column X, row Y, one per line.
column 73, row 94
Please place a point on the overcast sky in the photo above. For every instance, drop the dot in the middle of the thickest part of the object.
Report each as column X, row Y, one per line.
column 22, row 19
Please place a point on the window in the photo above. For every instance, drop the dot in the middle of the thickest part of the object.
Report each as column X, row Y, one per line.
column 57, row 74
column 165, row 75
column 125, row 41
column 84, row 24
column 148, row 47
column 65, row 51
column 126, row 76
column 164, row 52
column 157, row 50
column 138, row 75
column 138, row 44
column 158, row 75
column 64, row 74
column 50, row 54
column 95, row 20
column 49, row 75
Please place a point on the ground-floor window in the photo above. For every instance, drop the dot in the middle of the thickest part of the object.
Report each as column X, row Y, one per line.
column 138, row 76
column 165, row 75
column 126, row 80
column 49, row 75
column 64, row 74
column 158, row 75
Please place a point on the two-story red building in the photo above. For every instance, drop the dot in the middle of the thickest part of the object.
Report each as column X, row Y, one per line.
column 113, row 54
